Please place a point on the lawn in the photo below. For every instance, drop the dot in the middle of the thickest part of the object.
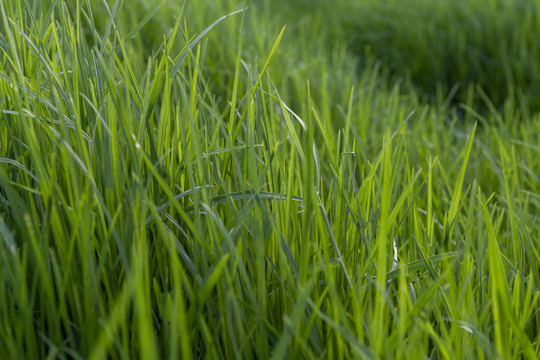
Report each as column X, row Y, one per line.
column 307, row 179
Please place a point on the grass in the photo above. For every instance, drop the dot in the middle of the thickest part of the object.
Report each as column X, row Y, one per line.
column 203, row 182
column 467, row 50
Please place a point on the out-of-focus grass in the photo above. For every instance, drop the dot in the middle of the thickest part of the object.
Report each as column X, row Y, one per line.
column 486, row 50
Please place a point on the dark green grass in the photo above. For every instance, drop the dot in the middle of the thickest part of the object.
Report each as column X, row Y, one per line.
column 454, row 48
column 196, row 185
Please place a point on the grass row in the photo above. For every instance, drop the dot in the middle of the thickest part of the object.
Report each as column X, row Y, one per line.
column 192, row 199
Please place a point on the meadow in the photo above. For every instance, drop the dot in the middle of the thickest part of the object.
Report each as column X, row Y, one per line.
column 307, row 179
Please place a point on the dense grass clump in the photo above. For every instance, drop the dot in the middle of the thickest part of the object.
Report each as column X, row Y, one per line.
column 203, row 182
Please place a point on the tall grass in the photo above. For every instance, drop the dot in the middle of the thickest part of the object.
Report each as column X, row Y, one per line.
column 155, row 205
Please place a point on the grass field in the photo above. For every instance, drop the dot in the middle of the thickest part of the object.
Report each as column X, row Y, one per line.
column 308, row 179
